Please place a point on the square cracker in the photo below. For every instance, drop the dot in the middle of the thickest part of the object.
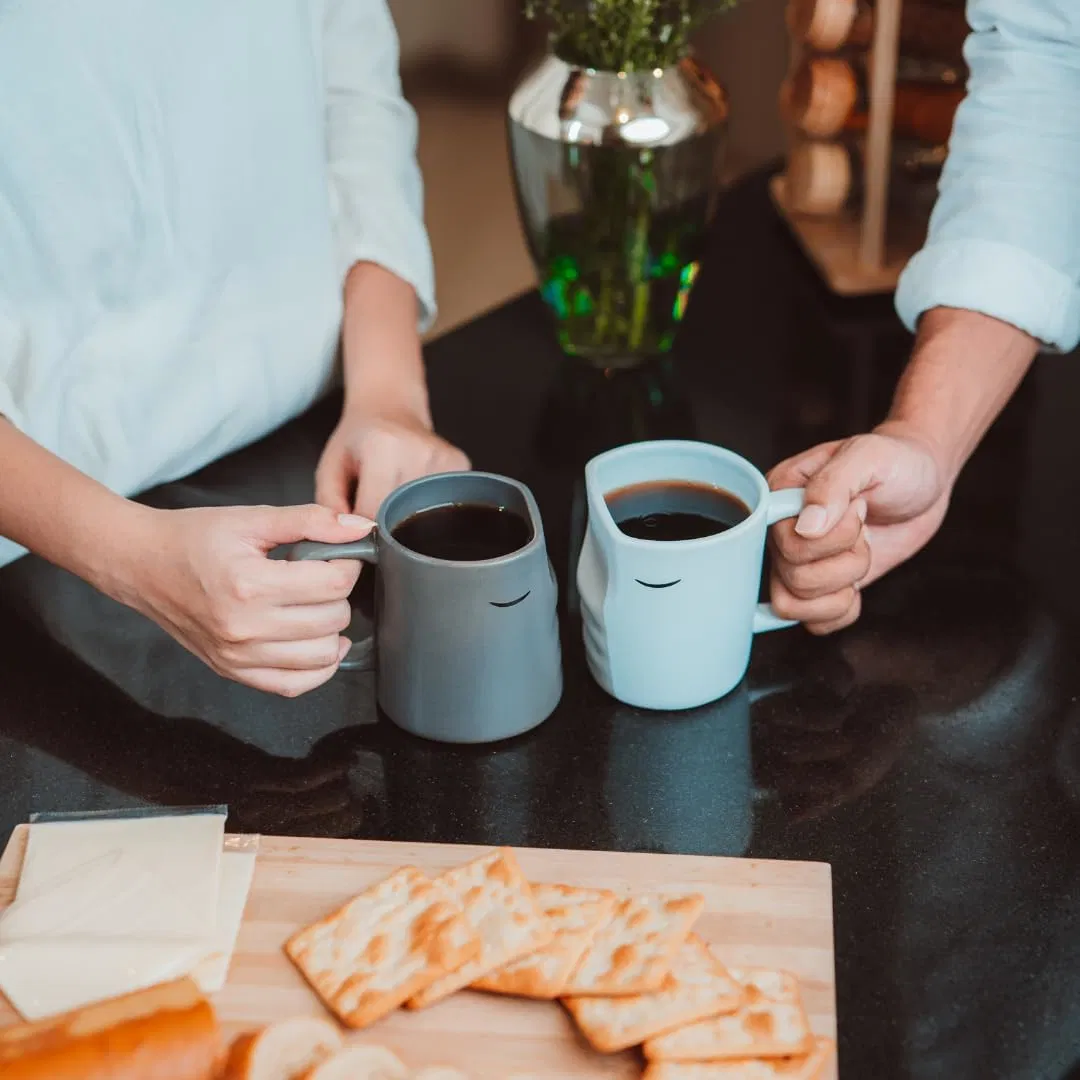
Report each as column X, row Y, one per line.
column 382, row 947
column 498, row 904
column 810, row 1067
column 770, row 1023
column 633, row 950
column 575, row 916
column 698, row 986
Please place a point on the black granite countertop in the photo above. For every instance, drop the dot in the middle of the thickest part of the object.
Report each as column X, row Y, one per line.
column 931, row 753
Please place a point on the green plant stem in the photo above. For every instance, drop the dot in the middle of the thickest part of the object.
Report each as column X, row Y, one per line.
column 638, row 271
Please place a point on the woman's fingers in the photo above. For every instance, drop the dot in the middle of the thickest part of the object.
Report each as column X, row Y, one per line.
column 306, row 583
column 255, row 625
column 285, row 683
column 310, row 654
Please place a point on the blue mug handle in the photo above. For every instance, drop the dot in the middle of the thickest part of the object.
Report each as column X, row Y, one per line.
column 783, row 504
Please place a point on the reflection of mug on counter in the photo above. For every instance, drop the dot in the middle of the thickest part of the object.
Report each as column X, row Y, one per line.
column 466, row 637
column 684, row 784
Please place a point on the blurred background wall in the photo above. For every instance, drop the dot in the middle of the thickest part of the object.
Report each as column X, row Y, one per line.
column 460, row 58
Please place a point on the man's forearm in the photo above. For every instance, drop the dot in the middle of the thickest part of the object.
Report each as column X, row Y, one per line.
column 64, row 516
column 963, row 371
column 380, row 342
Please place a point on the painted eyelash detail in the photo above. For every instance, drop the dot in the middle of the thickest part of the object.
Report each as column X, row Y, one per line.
column 658, row 585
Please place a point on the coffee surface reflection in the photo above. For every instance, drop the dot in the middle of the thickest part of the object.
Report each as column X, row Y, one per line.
column 464, row 532
column 674, row 510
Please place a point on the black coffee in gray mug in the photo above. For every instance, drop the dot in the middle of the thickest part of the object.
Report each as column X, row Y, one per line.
column 464, row 532
column 466, row 625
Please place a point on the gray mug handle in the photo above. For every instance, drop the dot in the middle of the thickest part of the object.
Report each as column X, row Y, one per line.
column 364, row 550
column 361, row 656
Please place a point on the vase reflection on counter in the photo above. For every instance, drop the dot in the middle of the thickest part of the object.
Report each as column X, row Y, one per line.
column 617, row 175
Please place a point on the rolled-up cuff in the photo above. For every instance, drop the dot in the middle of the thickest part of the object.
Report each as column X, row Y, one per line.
column 999, row 280
column 8, row 409
column 9, row 551
column 422, row 279
column 10, row 346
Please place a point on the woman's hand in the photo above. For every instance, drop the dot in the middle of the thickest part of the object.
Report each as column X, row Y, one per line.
column 384, row 437
column 204, row 576
column 871, row 502
column 373, row 451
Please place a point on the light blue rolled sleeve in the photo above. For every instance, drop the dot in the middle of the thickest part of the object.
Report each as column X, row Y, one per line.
column 1004, row 236
column 376, row 190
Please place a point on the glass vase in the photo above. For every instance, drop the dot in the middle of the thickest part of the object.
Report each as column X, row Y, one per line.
column 617, row 175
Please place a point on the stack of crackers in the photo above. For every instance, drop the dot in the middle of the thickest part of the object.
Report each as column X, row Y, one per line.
column 629, row 970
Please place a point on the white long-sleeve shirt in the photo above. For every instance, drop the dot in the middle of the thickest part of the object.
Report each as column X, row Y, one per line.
column 1005, row 234
column 183, row 187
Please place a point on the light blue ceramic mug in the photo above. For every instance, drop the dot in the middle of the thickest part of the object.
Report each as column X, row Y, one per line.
column 669, row 624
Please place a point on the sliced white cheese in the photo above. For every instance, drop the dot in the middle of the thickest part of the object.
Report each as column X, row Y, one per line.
column 63, row 943
column 237, row 869
column 164, row 871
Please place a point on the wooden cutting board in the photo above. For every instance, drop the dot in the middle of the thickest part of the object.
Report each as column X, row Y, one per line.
column 757, row 913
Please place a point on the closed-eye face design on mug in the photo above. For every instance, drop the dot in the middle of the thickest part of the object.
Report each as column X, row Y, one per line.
column 670, row 570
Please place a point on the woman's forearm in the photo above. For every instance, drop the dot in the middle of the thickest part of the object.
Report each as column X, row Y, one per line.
column 66, row 517
column 964, row 369
column 381, row 344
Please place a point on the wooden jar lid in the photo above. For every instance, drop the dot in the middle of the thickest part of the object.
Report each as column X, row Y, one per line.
column 822, row 95
column 818, row 178
column 821, row 24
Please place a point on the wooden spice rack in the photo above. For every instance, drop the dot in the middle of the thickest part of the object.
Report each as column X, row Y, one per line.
column 862, row 254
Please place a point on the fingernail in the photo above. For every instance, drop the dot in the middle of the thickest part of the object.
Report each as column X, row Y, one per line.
column 812, row 521
column 354, row 521
column 343, row 647
column 860, row 509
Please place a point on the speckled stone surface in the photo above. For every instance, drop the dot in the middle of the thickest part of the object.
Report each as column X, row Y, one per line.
column 931, row 754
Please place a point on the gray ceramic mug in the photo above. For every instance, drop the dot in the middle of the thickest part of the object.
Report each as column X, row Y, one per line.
column 465, row 652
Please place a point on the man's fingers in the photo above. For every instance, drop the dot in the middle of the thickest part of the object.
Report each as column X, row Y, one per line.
column 823, row 609
column 808, row 581
column 849, row 472
column 798, row 550
column 796, row 471
column 831, row 626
